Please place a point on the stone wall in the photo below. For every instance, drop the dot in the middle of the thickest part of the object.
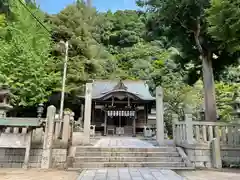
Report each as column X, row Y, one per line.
column 13, row 158
column 201, row 155
column 230, row 156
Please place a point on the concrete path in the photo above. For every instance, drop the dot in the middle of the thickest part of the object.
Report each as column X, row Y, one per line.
column 129, row 174
column 123, row 142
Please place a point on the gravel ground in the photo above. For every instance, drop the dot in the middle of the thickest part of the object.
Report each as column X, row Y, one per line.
column 36, row 174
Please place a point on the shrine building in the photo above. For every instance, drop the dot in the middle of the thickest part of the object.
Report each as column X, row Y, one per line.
column 120, row 107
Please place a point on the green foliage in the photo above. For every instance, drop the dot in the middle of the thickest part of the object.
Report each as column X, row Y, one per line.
column 224, row 97
column 25, row 65
column 224, row 23
column 87, row 58
column 182, row 28
column 2, row 20
column 119, row 46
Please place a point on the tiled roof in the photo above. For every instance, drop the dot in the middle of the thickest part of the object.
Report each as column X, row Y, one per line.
column 138, row 88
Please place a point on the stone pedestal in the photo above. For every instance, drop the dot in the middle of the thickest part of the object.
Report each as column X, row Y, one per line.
column 87, row 113
column 159, row 116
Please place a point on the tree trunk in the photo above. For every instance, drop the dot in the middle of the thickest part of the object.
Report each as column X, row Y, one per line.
column 208, row 79
column 209, row 88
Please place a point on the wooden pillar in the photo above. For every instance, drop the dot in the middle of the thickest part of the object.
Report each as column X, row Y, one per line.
column 105, row 123
column 81, row 115
column 134, row 124
column 87, row 113
column 159, row 116
column 93, row 115
column 146, row 113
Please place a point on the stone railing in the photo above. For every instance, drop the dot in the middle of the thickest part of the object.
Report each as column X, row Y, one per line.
column 207, row 144
column 48, row 143
column 198, row 132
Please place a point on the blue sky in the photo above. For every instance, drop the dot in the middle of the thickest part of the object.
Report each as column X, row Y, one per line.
column 54, row 6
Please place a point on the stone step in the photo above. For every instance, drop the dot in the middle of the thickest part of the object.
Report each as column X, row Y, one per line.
column 126, row 154
column 128, row 164
column 143, row 150
column 163, row 168
column 127, row 159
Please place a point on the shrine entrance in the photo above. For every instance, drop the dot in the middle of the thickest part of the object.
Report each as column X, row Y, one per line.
column 120, row 122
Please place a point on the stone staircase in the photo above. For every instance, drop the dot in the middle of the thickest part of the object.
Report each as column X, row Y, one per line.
column 99, row 157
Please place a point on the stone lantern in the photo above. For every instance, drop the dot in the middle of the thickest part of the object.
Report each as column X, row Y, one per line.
column 236, row 107
column 4, row 101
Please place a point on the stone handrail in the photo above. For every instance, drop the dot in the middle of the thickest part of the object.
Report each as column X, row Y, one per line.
column 198, row 132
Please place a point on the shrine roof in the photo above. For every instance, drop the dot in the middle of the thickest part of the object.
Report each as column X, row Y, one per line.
column 139, row 88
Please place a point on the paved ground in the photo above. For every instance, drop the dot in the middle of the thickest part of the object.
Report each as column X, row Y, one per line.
column 211, row 175
column 117, row 174
column 34, row 174
column 129, row 174
column 122, row 142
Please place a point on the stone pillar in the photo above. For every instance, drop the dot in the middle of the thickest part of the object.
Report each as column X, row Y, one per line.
column 159, row 115
column 216, row 153
column 174, row 129
column 48, row 138
column 66, row 125
column 71, row 127
column 189, row 124
column 28, row 148
column 57, row 126
column 87, row 113
column 105, row 123
column 236, row 107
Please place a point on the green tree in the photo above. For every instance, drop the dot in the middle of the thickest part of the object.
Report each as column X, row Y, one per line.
column 187, row 29
column 25, row 65
column 87, row 58
column 223, row 23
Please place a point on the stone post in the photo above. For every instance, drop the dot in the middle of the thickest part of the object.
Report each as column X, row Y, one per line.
column 236, row 107
column 28, row 148
column 87, row 113
column 48, row 138
column 57, row 126
column 216, row 153
column 66, row 124
column 159, row 116
column 189, row 124
column 174, row 129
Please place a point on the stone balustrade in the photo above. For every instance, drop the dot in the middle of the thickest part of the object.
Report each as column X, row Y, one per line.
column 198, row 132
column 208, row 144
column 49, row 140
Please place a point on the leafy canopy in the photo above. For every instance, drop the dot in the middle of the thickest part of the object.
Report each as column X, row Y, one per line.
column 24, row 58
